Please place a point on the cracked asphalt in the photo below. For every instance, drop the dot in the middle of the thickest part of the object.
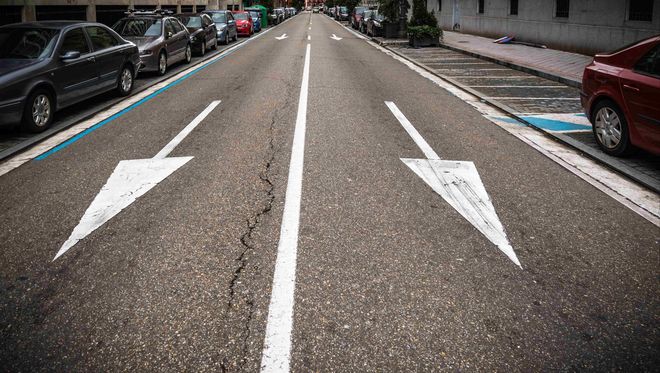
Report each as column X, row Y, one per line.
column 389, row 277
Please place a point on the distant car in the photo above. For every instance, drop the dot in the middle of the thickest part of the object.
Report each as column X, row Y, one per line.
column 621, row 97
column 362, row 23
column 342, row 14
column 315, row 9
column 356, row 16
column 276, row 17
column 244, row 23
column 225, row 25
column 161, row 39
column 202, row 31
column 375, row 24
column 49, row 65
column 256, row 19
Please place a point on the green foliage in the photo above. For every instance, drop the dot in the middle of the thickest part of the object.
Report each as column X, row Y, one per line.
column 424, row 31
column 421, row 16
column 392, row 8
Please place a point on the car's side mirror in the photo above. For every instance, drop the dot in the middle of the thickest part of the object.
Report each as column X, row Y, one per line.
column 169, row 34
column 70, row 55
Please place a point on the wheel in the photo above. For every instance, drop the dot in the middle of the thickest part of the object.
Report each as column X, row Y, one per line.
column 226, row 38
column 236, row 36
column 125, row 81
column 38, row 111
column 188, row 54
column 203, row 47
column 611, row 129
column 215, row 44
column 162, row 63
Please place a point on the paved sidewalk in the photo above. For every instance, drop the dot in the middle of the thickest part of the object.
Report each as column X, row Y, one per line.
column 549, row 63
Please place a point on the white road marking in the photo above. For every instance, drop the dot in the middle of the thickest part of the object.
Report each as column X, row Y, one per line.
column 335, row 37
column 130, row 180
column 310, row 28
column 458, row 183
column 281, row 37
column 277, row 343
column 55, row 140
column 309, row 37
column 637, row 198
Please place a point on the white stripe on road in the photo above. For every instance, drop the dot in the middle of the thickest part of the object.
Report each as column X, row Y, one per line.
column 309, row 37
column 277, row 343
column 186, row 131
column 419, row 140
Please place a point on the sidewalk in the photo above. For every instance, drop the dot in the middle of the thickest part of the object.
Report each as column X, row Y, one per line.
column 564, row 67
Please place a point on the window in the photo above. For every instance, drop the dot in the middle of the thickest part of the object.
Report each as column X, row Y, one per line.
column 439, row 6
column 74, row 41
column 640, row 10
column 169, row 28
column 513, row 7
column 480, row 9
column 650, row 63
column 101, row 38
column 561, row 9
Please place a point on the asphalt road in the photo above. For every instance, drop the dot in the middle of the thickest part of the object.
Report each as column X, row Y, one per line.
column 389, row 276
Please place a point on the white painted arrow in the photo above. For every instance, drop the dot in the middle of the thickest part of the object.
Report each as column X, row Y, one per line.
column 335, row 37
column 458, row 183
column 130, row 180
column 281, row 37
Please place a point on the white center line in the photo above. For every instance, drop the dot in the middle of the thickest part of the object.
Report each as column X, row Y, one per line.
column 310, row 27
column 277, row 343
column 417, row 138
column 309, row 37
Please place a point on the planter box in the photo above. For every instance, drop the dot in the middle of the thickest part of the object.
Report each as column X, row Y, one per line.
column 390, row 30
column 426, row 41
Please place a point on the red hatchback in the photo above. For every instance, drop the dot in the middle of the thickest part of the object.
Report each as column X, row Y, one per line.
column 621, row 97
column 244, row 24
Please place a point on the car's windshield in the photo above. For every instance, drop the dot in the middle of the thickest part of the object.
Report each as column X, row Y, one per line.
column 254, row 15
column 367, row 13
column 219, row 17
column 26, row 43
column 138, row 27
column 193, row 22
column 360, row 10
column 242, row 16
column 343, row 9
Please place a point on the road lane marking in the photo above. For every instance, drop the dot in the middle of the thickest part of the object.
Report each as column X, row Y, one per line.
column 63, row 139
column 310, row 28
column 335, row 37
column 281, row 37
column 459, row 184
column 130, row 180
column 309, row 37
column 277, row 342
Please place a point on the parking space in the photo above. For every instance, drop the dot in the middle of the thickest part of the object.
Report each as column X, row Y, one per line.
column 548, row 105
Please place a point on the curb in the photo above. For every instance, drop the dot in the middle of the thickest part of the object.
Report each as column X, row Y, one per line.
column 543, row 74
column 611, row 162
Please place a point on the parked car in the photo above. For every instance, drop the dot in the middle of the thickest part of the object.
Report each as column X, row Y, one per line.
column 49, row 65
column 225, row 24
column 256, row 19
column 276, row 17
column 362, row 23
column 202, row 31
column 375, row 24
column 356, row 16
column 621, row 97
column 161, row 39
column 244, row 23
column 342, row 14
column 332, row 11
column 315, row 9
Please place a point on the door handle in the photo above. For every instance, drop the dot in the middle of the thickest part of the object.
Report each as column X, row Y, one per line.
column 91, row 59
column 631, row 88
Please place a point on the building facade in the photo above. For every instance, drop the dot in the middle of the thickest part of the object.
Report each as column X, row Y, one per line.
column 104, row 11
column 585, row 26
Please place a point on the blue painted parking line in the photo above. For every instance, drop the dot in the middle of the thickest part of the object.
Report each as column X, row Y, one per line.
column 553, row 122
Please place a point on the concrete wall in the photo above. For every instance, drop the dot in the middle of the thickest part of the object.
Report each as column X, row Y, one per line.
column 592, row 25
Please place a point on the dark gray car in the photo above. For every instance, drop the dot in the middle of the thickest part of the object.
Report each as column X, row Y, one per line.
column 226, row 25
column 46, row 66
column 161, row 39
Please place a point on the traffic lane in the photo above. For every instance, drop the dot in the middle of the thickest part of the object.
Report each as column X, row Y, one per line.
column 13, row 136
column 392, row 278
column 166, row 284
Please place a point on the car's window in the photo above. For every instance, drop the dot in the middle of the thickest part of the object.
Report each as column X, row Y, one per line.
column 219, row 18
column 650, row 63
column 138, row 27
column 169, row 28
column 254, row 15
column 26, row 43
column 178, row 26
column 194, row 22
column 75, row 41
column 206, row 19
column 101, row 38
column 230, row 16
column 243, row 16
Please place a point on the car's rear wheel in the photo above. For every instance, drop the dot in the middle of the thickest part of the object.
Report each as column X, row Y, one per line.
column 38, row 111
column 610, row 129
column 188, row 54
column 125, row 81
column 162, row 63
column 203, row 49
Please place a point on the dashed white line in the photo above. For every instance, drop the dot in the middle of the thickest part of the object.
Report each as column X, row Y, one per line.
column 277, row 343
column 309, row 37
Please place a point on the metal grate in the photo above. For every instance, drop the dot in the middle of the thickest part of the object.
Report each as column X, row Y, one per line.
column 561, row 10
column 640, row 10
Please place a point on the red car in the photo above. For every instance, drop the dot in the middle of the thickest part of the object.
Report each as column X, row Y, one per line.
column 244, row 24
column 621, row 97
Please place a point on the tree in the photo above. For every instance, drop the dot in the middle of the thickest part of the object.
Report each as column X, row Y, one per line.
column 421, row 16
